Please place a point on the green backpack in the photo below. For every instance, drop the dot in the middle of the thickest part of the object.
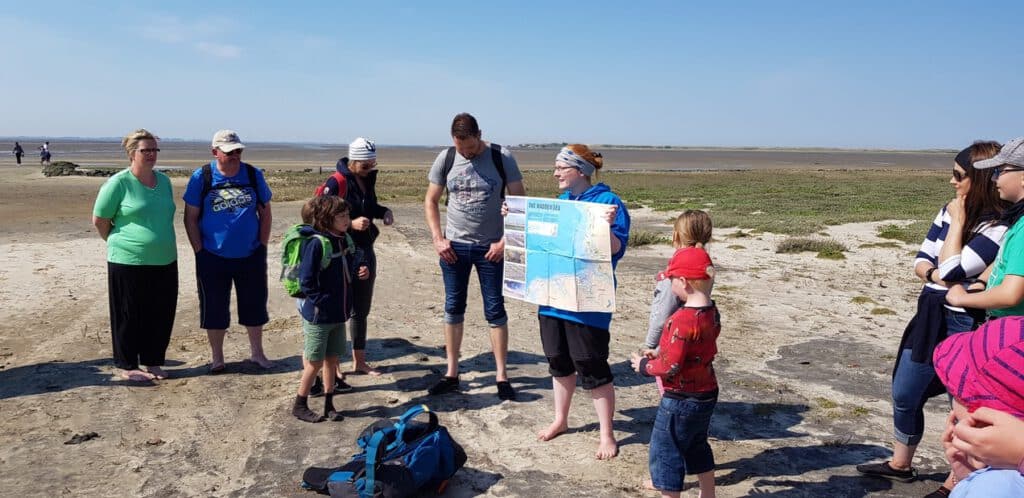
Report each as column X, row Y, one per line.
column 291, row 257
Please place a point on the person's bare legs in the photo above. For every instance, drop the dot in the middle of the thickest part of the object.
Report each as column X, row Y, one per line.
column 216, row 337
column 604, row 404
column 671, row 494
column 453, row 347
column 902, row 456
column 256, row 354
column 706, row 480
column 499, row 345
column 562, row 388
column 310, row 369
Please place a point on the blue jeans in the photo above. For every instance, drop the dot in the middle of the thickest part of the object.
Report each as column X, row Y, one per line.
column 679, row 442
column 456, row 283
column 910, row 383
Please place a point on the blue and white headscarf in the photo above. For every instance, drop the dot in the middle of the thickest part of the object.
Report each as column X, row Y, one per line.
column 566, row 157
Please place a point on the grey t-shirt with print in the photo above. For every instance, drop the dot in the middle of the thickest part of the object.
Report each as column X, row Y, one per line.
column 474, row 195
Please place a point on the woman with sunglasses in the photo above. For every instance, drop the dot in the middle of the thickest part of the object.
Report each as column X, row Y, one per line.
column 1003, row 283
column 134, row 213
column 963, row 240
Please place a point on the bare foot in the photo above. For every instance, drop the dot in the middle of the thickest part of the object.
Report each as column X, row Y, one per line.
column 366, row 369
column 216, row 368
column 136, row 375
column 552, row 431
column 157, row 372
column 607, row 450
column 262, row 361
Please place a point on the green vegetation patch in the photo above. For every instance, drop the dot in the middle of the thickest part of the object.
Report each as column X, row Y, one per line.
column 638, row 238
column 908, row 234
column 792, row 202
column 882, row 245
column 826, row 248
column 862, row 300
column 882, row 311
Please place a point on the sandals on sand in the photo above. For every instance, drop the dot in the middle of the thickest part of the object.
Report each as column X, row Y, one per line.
column 885, row 470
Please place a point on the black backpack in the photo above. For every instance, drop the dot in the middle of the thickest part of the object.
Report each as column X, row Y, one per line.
column 208, row 185
column 449, row 161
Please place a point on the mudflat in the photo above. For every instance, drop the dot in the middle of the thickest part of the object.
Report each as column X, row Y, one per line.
column 806, row 350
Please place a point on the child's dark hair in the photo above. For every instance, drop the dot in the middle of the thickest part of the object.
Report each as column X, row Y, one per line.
column 321, row 210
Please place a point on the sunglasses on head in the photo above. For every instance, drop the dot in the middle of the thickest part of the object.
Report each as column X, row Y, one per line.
column 999, row 170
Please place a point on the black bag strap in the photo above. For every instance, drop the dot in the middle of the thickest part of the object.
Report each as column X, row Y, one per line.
column 499, row 164
column 208, row 185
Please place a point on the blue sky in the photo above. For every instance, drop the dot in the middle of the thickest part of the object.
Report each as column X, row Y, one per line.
column 757, row 73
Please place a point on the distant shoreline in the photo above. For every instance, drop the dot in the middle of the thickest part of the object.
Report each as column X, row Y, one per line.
column 522, row 146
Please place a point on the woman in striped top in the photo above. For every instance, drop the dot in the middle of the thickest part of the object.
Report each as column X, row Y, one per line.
column 963, row 240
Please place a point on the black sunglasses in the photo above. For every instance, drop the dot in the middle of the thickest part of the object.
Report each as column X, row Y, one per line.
column 958, row 176
column 236, row 152
column 1004, row 169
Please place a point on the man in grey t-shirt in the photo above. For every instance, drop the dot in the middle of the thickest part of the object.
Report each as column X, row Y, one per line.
column 472, row 237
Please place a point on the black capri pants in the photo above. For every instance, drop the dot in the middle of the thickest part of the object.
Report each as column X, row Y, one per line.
column 572, row 347
column 143, row 301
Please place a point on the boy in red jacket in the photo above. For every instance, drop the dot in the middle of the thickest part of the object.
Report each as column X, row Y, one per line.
column 679, row 441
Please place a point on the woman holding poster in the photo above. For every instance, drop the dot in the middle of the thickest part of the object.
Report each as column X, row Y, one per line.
column 576, row 343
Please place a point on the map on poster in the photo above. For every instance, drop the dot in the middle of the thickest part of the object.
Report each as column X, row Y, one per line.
column 558, row 254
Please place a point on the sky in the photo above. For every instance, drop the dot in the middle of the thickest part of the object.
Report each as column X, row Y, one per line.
column 865, row 74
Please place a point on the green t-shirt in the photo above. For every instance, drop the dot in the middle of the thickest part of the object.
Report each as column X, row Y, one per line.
column 143, row 231
column 1009, row 262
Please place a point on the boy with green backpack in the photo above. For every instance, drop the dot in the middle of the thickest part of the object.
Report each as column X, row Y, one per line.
column 319, row 263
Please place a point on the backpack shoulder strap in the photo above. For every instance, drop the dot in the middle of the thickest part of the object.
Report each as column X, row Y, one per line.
column 342, row 184
column 251, row 170
column 207, row 185
column 326, row 250
column 500, row 165
column 449, row 161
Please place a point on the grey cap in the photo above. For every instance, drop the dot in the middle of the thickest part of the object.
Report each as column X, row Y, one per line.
column 1012, row 153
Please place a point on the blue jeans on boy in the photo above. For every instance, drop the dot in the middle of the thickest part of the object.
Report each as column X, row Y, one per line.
column 910, row 383
column 679, row 441
column 456, row 284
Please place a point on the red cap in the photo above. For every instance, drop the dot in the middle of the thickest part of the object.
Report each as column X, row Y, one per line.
column 985, row 367
column 690, row 263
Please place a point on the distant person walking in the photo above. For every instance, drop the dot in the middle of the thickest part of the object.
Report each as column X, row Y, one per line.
column 134, row 213
column 18, row 152
column 964, row 239
column 359, row 171
column 476, row 175
column 227, row 219
column 44, row 153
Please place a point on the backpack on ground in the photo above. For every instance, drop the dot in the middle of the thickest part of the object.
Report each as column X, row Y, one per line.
column 342, row 185
column 449, row 161
column 208, row 185
column 291, row 257
column 397, row 458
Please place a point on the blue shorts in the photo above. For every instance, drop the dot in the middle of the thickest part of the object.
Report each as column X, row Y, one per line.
column 679, row 441
column 215, row 276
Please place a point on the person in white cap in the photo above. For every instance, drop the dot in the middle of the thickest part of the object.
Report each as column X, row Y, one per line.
column 227, row 219
column 358, row 175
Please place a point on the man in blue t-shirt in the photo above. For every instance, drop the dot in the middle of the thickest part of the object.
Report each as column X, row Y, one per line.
column 227, row 219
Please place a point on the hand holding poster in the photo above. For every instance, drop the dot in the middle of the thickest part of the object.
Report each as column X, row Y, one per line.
column 558, row 253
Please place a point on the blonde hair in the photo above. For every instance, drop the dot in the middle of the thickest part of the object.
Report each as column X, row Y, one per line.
column 692, row 229
column 130, row 142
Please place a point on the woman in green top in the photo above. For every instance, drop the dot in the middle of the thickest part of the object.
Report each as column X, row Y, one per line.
column 134, row 213
column 1004, row 293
